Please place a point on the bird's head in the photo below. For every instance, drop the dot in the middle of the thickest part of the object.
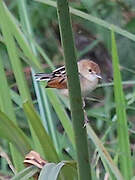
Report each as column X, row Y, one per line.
column 89, row 69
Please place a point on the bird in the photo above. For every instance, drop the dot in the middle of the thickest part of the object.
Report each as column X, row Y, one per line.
column 89, row 74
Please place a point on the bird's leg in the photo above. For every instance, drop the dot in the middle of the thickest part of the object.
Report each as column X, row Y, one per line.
column 86, row 120
column 85, row 114
column 83, row 103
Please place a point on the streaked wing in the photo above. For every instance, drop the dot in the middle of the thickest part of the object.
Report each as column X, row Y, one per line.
column 42, row 77
column 58, row 79
column 58, row 82
column 59, row 71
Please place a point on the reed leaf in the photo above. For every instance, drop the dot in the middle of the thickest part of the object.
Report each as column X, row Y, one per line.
column 93, row 19
column 13, row 134
column 77, row 113
column 41, row 136
column 122, row 127
column 25, row 174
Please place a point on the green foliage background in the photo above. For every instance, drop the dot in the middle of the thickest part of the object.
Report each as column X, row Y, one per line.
column 33, row 118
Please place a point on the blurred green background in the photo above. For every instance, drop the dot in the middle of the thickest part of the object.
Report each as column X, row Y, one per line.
column 26, row 49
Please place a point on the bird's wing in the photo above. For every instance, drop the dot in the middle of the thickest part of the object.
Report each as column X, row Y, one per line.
column 59, row 71
column 56, row 79
column 42, row 77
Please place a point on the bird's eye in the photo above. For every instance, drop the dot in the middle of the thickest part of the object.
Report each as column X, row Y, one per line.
column 90, row 70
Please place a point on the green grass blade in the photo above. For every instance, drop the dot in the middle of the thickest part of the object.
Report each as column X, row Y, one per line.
column 12, row 51
column 103, row 153
column 77, row 112
column 7, row 107
column 15, row 61
column 94, row 20
column 122, row 127
column 13, row 134
column 41, row 51
column 16, row 98
column 43, row 139
column 16, row 32
column 87, row 49
column 38, row 90
column 41, row 96
column 112, row 84
column 14, row 58
column 26, row 173
column 5, row 101
column 51, row 171
column 50, row 121
column 67, row 125
column 16, row 64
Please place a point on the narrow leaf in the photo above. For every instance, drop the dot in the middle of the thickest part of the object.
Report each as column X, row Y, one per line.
column 16, row 32
column 26, row 173
column 13, row 134
column 122, row 127
column 66, row 122
column 94, row 20
column 43, row 139
column 103, row 152
column 7, row 107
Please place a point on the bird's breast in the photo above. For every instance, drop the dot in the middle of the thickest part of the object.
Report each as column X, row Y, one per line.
column 87, row 86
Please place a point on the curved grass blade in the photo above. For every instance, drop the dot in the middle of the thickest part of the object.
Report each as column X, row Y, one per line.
column 39, row 90
column 14, row 58
column 16, row 98
column 67, row 125
column 94, row 20
column 16, row 32
column 42, row 137
column 103, row 152
column 26, row 173
column 122, row 127
column 7, row 107
column 65, row 169
column 13, row 134
column 51, row 171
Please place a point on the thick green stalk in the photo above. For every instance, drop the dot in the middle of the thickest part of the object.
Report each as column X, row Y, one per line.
column 74, row 90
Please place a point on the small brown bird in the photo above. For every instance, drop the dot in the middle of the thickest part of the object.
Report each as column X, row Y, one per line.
column 89, row 73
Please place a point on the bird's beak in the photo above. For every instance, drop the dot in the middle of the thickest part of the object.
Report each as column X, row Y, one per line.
column 98, row 76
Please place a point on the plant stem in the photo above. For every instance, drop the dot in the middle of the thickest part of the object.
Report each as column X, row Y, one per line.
column 74, row 90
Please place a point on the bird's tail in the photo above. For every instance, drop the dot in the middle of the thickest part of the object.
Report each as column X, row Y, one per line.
column 42, row 77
